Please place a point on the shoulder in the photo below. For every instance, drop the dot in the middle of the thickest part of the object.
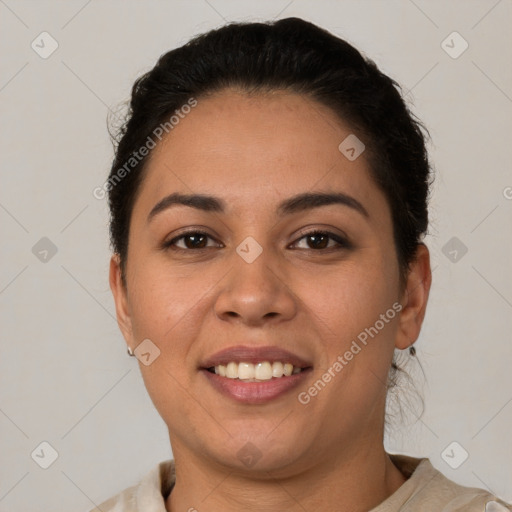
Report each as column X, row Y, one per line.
column 148, row 494
column 428, row 489
column 122, row 502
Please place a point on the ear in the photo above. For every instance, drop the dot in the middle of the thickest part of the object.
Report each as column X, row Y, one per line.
column 414, row 299
column 121, row 300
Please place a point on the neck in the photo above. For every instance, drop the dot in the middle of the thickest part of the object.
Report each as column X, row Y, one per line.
column 356, row 482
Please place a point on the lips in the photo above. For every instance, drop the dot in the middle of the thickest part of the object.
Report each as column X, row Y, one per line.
column 251, row 391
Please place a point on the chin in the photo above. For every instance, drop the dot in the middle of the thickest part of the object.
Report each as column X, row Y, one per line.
column 257, row 453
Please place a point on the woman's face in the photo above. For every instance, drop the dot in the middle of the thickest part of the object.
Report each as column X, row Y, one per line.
column 256, row 279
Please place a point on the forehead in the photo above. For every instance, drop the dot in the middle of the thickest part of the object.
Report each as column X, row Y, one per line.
column 257, row 149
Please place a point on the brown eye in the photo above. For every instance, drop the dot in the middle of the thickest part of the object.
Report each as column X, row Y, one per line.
column 319, row 240
column 197, row 241
column 189, row 241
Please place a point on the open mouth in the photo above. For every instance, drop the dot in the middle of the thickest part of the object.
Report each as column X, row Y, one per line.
column 255, row 375
column 256, row 372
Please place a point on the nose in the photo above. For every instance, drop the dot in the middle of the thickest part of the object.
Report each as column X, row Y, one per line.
column 255, row 293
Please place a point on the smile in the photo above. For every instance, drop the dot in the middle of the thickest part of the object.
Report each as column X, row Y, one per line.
column 259, row 372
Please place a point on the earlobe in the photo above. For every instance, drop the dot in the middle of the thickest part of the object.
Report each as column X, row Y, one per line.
column 414, row 299
column 119, row 293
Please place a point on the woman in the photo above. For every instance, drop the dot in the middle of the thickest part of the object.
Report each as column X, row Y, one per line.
column 268, row 203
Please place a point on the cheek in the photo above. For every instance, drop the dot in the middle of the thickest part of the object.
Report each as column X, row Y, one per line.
column 348, row 300
column 347, row 310
column 165, row 302
column 167, row 307
column 356, row 327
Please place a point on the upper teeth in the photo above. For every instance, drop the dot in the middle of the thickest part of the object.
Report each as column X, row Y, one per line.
column 259, row 371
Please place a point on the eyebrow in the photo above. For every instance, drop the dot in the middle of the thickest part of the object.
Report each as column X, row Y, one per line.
column 295, row 204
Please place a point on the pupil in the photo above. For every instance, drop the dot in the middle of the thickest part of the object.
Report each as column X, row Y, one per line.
column 195, row 239
column 318, row 238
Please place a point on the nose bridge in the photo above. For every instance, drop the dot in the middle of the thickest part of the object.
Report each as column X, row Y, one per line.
column 254, row 290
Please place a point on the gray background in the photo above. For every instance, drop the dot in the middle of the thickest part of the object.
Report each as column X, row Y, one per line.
column 65, row 377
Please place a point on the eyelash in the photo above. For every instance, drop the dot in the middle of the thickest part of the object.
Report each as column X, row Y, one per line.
column 342, row 242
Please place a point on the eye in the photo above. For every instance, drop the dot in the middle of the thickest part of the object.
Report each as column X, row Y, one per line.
column 318, row 240
column 315, row 240
column 190, row 240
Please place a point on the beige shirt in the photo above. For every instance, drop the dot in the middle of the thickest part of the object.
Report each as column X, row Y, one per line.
column 426, row 490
